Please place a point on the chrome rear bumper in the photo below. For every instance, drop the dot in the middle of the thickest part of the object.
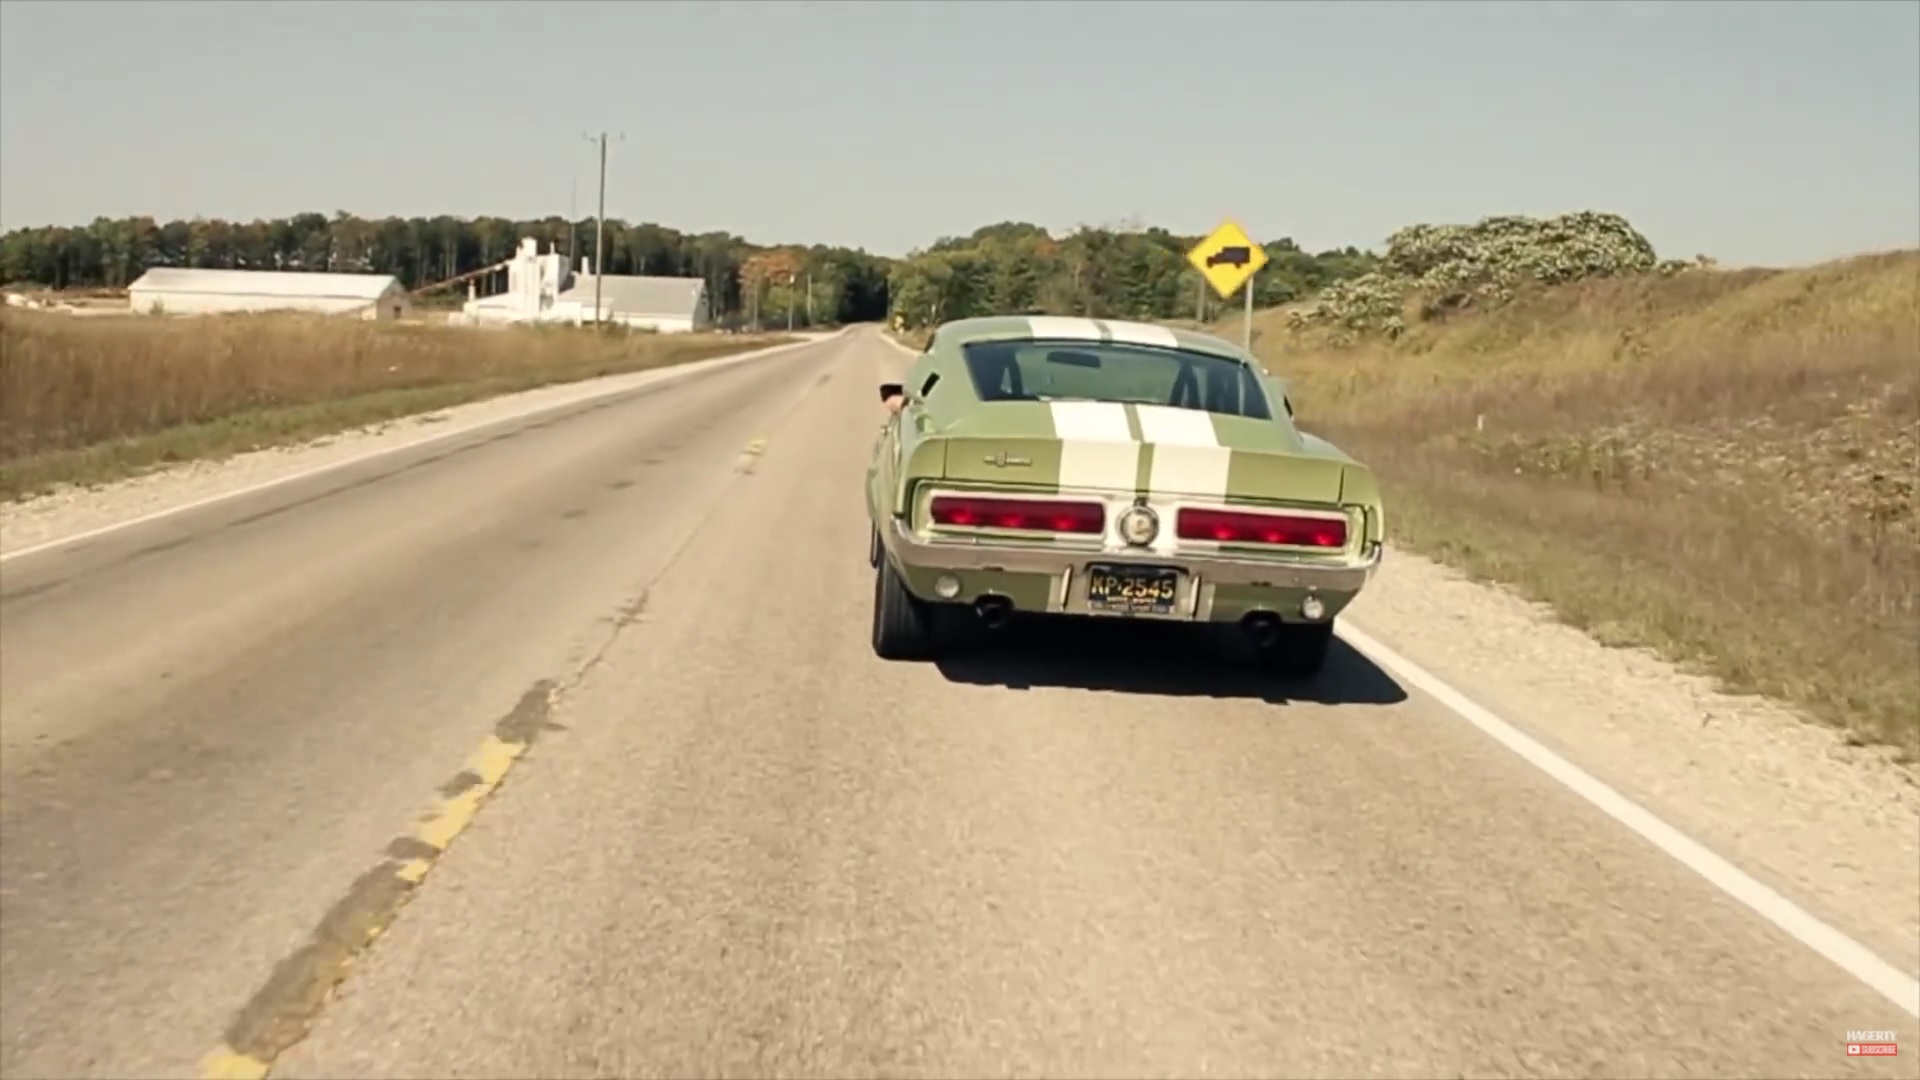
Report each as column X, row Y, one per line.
column 1202, row 574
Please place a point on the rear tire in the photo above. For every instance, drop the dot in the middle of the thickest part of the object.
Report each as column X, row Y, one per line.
column 1300, row 651
column 901, row 621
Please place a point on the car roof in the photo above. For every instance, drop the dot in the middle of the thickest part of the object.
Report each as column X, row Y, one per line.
column 1073, row 328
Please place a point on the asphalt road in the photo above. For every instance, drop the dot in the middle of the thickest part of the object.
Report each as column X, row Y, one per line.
column 736, row 843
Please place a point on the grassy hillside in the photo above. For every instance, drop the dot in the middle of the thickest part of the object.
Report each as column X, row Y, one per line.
column 1721, row 465
column 91, row 399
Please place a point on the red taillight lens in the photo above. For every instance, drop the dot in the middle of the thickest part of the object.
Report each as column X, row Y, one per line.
column 1233, row 527
column 1034, row 514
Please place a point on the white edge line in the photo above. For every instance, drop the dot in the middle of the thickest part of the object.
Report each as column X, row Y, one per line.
column 667, row 374
column 1849, row 955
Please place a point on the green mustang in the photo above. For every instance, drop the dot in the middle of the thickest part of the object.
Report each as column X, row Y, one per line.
column 1088, row 467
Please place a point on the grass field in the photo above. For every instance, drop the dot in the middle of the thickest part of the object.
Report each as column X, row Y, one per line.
column 1721, row 466
column 87, row 400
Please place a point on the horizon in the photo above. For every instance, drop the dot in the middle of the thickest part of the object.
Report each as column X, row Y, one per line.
column 1693, row 122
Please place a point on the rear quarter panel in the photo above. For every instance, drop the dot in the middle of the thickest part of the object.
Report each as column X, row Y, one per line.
column 879, row 468
column 1358, row 485
column 912, row 451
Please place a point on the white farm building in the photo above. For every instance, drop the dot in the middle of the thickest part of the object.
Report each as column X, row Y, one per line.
column 668, row 305
column 167, row 290
column 545, row 288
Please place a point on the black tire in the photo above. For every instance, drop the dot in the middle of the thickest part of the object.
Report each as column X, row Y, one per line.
column 902, row 629
column 1300, row 651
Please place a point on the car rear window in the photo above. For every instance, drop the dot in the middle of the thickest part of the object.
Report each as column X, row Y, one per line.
column 1113, row 371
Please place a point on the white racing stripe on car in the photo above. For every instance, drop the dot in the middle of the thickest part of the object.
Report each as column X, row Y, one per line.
column 1133, row 333
column 1091, row 421
column 1188, row 462
column 1179, row 427
column 1056, row 326
column 1097, row 449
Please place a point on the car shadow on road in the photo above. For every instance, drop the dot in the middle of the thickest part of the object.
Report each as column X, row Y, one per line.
column 1149, row 658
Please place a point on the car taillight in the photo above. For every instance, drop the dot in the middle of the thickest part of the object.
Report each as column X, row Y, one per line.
column 1034, row 514
column 1234, row 527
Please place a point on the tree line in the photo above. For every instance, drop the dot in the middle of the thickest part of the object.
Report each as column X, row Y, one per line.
column 1006, row 267
column 1096, row 272
column 745, row 280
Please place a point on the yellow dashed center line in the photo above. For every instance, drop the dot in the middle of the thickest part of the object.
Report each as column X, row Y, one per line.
column 451, row 815
column 224, row 1064
column 748, row 457
column 490, row 764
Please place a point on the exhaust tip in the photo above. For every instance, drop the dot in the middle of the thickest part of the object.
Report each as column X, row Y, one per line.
column 1261, row 627
column 994, row 611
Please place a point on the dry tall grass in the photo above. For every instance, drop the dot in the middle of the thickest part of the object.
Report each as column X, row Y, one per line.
column 84, row 400
column 1719, row 465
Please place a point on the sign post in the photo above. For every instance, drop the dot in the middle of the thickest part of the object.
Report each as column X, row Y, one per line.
column 1228, row 259
column 1246, row 324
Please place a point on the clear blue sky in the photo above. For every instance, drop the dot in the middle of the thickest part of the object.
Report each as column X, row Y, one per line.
column 1756, row 132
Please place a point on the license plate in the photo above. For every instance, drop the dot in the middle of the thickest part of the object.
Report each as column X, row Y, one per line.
column 1132, row 590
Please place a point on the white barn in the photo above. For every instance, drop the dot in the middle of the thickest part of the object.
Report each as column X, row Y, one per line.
column 178, row 291
column 668, row 305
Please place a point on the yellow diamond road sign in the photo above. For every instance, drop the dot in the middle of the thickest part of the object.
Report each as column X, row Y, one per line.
column 1228, row 259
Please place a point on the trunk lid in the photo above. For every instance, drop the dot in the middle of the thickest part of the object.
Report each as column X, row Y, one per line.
column 1139, row 450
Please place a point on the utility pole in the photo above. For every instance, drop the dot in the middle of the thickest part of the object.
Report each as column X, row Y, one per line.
column 790, row 277
column 600, row 225
column 809, row 299
column 573, row 218
column 600, row 234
